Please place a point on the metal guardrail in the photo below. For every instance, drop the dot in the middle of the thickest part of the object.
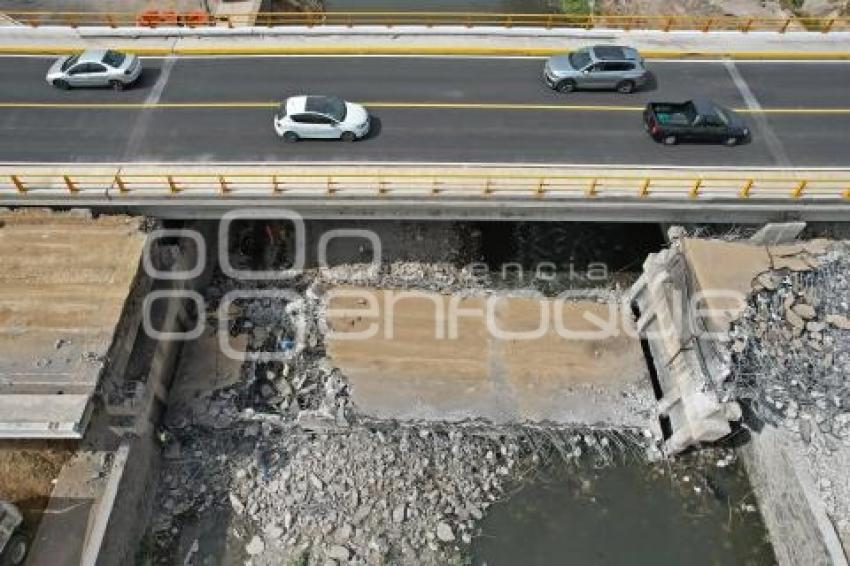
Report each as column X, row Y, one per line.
column 662, row 22
column 176, row 184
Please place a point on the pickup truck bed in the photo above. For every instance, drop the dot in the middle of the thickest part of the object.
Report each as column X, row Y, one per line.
column 673, row 114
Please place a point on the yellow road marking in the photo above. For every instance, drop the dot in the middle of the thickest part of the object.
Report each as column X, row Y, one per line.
column 461, row 50
column 401, row 105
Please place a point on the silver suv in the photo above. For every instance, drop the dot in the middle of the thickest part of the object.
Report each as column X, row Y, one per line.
column 599, row 67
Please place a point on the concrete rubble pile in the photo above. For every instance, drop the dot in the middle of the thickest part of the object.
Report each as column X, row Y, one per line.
column 409, row 495
column 438, row 277
column 789, row 355
column 282, row 454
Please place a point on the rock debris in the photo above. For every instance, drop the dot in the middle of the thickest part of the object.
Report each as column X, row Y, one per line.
column 789, row 357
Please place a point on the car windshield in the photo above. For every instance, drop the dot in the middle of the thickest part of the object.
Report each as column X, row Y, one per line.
column 579, row 60
column 113, row 58
column 327, row 105
column 721, row 115
column 69, row 61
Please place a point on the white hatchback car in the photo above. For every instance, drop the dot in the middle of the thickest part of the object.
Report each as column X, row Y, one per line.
column 320, row 117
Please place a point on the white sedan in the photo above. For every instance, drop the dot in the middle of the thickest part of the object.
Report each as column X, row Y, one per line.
column 320, row 117
column 95, row 67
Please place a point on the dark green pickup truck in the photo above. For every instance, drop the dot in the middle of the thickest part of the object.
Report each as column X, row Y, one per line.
column 695, row 120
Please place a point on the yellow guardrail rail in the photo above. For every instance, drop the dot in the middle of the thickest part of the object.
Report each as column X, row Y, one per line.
column 116, row 184
column 663, row 22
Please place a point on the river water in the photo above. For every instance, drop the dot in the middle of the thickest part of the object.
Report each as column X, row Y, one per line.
column 627, row 515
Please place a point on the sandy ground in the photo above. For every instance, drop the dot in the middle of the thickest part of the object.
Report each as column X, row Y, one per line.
column 27, row 471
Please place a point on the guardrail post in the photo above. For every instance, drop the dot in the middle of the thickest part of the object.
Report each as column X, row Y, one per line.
column 707, row 25
column 382, row 187
column 667, row 24
column 747, row 25
column 785, row 25
column 172, row 185
column 70, row 184
column 119, row 182
column 330, row 186
column 222, row 184
column 549, row 22
column 487, row 189
column 109, row 21
column 435, row 186
column 847, row 193
column 644, row 188
column 509, row 22
column 540, row 184
column 745, row 190
column 798, row 190
column 828, row 25
column 18, row 184
column 275, row 184
column 591, row 188
column 694, row 192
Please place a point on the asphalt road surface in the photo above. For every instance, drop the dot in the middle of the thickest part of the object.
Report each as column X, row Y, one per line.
column 452, row 110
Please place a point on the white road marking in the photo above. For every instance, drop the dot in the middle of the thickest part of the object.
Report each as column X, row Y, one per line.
column 774, row 144
column 140, row 128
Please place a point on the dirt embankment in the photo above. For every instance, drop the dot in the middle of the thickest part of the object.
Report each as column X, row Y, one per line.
column 27, row 471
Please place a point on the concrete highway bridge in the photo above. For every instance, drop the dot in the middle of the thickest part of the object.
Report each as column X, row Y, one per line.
column 453, row 137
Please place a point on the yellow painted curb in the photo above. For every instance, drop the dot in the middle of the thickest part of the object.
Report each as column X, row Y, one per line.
column 420, row 50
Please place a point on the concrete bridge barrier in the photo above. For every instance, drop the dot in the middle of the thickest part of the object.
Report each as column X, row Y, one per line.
column 422, row 191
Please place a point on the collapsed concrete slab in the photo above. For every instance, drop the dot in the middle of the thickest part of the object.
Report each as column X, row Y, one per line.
column 499, row 358
column 704, row 304
column 65, row 281
column 672, row 299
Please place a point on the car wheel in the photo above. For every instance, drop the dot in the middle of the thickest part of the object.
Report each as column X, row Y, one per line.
column 626, row 87
column 348, row 136
column 59, row 83
column 116, row 85
column 566, row 86
column 730, row 141
column 16, row 550
column 670, row 140
column 290, row 137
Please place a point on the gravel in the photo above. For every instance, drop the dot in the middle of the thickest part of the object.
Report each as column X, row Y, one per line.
column 790, row 360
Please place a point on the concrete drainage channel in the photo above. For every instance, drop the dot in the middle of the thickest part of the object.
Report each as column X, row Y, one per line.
column 411, row 446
